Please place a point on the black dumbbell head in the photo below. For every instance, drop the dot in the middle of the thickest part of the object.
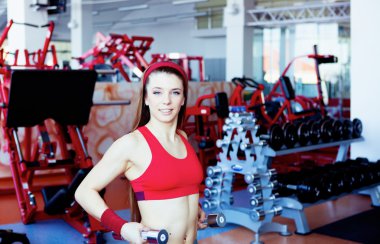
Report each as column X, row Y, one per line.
column 357, row 128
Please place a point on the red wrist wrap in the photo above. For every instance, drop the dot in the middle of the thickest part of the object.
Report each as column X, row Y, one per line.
column 112, row 221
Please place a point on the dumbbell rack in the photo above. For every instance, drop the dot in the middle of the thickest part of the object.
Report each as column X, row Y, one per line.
column 265, row 155
column 257, row 162
column 220, row 179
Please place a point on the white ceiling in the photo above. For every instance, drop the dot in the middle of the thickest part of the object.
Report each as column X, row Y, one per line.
column 108, row 17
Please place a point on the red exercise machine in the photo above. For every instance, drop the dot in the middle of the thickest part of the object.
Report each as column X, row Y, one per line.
column 35, row 59
column 42, row 114
column 117, row 52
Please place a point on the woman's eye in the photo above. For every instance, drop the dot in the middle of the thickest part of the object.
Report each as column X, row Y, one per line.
column 177, row 93
column 156, row 92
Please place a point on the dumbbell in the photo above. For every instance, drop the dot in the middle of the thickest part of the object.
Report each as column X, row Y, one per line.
column 337, row 130
column 259, row 215
column 250, row 178
column 347, row 128
column 257, row 201
column 227, row 128
column 275, row 137
column 255, row 188
column 215, row 220
column 315, row 131
column 326, row 130
column 210, row 192
column 155, row 236
column 211, row 182
column 290, row 134
column 213, row 171
column 303, row 133
column 150, row 236
column 210, row 204
column 305, row 184
column 357, row 128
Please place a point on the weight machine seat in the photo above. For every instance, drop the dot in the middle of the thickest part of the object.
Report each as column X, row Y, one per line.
column 62, row 95
column 287, row 87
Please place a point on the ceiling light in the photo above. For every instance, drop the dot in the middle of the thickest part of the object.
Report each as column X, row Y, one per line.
column 135, row 7
column 175, row 2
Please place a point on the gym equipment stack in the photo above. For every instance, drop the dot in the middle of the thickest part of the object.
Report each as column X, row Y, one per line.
column 246, row 150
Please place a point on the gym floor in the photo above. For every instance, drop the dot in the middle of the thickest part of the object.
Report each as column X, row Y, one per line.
column 57, row 231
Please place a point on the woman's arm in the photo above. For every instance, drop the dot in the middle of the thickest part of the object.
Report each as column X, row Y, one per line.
column 116, row 161
column 113, row 163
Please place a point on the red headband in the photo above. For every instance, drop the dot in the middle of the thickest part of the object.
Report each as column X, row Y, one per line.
column 163, row 64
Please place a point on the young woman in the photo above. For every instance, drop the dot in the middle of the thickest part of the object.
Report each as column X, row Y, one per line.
column 157, row 159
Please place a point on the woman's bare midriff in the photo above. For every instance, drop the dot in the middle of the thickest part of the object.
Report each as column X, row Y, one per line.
column 178, row 216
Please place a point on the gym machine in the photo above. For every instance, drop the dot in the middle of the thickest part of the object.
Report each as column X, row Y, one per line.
column 115, row 53
column 35, row 59
column 277, row 106
column 43, row 115
column 311, row 106
column 205, row 119
column 241, row 133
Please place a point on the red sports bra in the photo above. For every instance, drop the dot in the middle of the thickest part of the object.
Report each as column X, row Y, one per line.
column 167, row 176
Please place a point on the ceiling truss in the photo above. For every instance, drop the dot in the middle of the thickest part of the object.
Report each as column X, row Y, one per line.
column 315, row 13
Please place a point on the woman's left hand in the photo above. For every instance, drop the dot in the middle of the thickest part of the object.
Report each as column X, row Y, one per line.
column 201, row 218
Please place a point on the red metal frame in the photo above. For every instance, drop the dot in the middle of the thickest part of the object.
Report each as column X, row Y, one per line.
column 285, row 112
column 118, row 50
column 42, row 153
column 305, row 102
column 35, row 59
column 183, row 60
column 203, row 127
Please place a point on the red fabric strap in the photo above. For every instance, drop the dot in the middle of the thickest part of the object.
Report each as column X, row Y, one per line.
column 161, row 64
column 112, row 221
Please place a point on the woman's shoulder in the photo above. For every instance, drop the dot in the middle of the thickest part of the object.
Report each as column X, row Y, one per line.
column 133, row 138
column 183, row 133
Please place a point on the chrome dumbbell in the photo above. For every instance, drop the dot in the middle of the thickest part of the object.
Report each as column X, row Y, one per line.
column 210, row 204
column 150, row 236
column 259, row 215
column 255, row 188
column 210, row 192
column 211, row 182
column 258, row 200
column 215, row 220
column 155, row 236
column 213, row 171
column 249, row 178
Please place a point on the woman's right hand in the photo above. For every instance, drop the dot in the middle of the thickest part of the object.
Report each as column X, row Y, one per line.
column 132, row 232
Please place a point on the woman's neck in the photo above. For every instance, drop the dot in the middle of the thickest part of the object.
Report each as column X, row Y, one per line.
column 165, row 131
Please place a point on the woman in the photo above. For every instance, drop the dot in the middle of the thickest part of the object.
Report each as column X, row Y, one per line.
column 157, row 159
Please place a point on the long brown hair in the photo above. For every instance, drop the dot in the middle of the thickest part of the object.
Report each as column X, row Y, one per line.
column 143, row 114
